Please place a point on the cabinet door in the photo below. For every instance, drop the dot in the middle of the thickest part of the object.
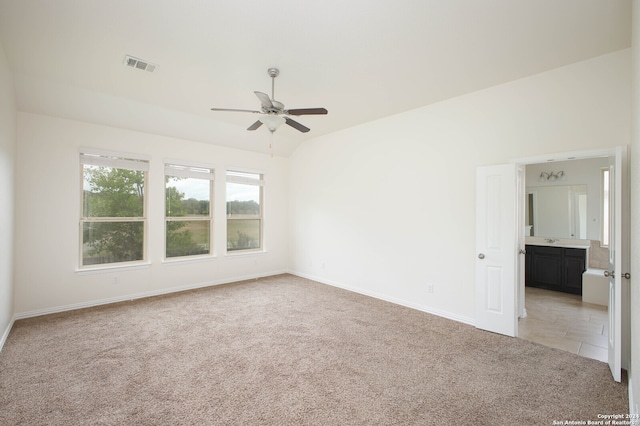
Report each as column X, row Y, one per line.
column 547, row 267
column 528, row 265
column 574, row 266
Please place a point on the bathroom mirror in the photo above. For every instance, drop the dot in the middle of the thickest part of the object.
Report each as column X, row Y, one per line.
column 556, row 211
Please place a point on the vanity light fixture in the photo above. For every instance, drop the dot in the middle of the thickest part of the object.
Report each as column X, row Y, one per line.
column 551, row 176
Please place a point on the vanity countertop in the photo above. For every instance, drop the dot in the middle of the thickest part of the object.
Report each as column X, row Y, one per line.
column 557, row 242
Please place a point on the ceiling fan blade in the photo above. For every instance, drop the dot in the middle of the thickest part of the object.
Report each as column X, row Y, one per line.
column 307, row 111
column 265, row 100
column 235, row 110
column 296, row 125
column 255, row 125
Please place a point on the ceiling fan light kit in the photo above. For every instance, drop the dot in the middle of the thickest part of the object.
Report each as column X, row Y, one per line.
column 273, row 113
column 272, row 121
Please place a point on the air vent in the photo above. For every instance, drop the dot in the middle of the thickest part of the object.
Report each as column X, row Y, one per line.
column 141, row 64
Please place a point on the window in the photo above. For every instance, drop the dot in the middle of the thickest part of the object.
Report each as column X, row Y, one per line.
column 244, row 211
column 605, row 222
column 188, row 218
column 113, row 217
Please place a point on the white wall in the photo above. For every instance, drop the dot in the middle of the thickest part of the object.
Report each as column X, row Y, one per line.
column 48, row 209
column 7, row 167
column 388, row 208
column 578, row 172
column 634, row 368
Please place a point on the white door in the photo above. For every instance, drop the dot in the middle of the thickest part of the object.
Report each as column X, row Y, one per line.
column 520, row 234
column 496, row 249
column 617, row 167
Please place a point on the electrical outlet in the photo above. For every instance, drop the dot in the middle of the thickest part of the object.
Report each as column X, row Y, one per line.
column 323, row 265
column 430, row 288
column 116, row 279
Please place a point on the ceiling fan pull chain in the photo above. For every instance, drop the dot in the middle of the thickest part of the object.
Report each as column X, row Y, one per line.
column 271, row 145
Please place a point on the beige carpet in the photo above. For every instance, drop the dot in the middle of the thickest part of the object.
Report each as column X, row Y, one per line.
column 285, row 350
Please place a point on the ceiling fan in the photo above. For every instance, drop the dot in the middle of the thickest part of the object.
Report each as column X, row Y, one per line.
column 273, row 113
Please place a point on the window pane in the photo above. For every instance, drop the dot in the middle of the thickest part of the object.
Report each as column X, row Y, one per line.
column 243, row 201
column 188, row 237
column 112, row 192
column 244, row 211
column 243, row 234
column 187, row 196
column 112, row 242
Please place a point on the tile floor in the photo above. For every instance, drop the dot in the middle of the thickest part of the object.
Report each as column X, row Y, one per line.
column 563, row 321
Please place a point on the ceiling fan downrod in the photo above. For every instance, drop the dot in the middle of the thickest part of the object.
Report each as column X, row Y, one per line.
column 273, row 73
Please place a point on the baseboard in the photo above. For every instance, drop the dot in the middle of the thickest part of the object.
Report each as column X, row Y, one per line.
column 129, row 297
column 5, row 335
column 418, row 307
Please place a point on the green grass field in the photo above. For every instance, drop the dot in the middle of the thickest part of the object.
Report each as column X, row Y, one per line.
column 243, row 234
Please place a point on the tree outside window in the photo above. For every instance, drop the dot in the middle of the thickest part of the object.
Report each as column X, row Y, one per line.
column 113, row 217
column 188, row 218
column 244, row 211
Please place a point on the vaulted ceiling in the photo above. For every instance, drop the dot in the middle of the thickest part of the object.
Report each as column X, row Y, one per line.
column 360, row 59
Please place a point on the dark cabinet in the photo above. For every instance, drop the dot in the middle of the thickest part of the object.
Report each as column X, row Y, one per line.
column 555, row 268
column 528, row 265
column 574, row 266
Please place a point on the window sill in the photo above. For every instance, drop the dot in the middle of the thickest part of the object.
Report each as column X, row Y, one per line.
column 245, row 253
column 187, row 259
column 111, row 268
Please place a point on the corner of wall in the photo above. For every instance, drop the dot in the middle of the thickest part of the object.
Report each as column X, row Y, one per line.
column 8, row 144
column 5, row 335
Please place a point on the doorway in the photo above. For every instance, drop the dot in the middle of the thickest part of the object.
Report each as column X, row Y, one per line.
column 617, row 333
column 563, row 201
column 500, row 245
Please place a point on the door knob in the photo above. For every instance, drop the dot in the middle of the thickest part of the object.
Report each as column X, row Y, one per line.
column 481, row 256
column 626, row 275
column 611, row 274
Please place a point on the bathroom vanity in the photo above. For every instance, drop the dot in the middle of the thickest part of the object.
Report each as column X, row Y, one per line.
column 555, row 264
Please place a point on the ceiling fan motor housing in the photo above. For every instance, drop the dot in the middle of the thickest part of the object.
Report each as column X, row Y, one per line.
column 276, row 108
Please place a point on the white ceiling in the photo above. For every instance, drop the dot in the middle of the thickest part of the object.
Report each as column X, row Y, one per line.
column 361, row 59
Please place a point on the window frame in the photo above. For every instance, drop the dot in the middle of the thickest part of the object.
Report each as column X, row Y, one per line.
column 241, row 176
column 605, row 200
column 117, row 160
column 195, row 171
